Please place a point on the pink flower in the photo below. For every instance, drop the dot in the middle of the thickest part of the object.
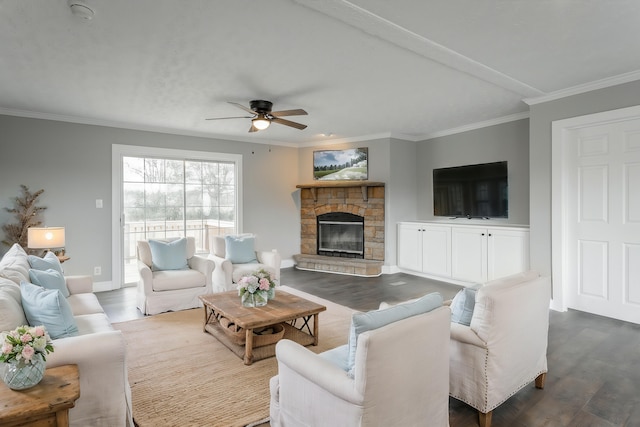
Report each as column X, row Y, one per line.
column 28, row 352
column 26, row 338
column 264, row 284
column 39, row 331
column 7, row 348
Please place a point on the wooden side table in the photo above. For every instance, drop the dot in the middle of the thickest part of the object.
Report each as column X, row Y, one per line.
column 46, row 404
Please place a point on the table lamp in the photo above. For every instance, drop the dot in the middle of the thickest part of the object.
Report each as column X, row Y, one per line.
column 45, row 238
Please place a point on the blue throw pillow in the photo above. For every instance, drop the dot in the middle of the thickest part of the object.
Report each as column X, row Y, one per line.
column 49, row 279
column 47, row 307
column 169, row 255
column 239, row 249
column 362, row 322
column 49, row 260
column 462, row 306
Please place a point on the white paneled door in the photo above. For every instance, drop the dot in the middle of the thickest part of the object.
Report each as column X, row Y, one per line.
column 603, row 219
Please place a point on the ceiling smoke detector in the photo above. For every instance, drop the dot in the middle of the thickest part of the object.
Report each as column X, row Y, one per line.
column 81, row 9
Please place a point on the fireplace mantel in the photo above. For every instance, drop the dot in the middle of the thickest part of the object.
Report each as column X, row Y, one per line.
column 341, row 184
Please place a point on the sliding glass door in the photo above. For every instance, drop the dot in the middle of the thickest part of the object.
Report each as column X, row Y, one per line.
column 174, row 195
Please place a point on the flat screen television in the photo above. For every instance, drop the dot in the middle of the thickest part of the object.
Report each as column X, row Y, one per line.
column 471, row 191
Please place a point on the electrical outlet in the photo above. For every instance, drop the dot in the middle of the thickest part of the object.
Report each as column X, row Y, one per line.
column 99, row 203
column 97, row 271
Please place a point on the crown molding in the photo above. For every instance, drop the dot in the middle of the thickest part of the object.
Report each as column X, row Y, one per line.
column 478, row 125
column 134, row 126
column 587, row 87
column 368, row 22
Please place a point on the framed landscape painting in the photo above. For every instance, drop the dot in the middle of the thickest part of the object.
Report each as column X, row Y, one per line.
column 341, row 165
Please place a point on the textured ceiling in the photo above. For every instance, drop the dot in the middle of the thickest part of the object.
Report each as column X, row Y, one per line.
column 407, row 68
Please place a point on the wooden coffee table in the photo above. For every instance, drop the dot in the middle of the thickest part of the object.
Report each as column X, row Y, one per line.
column 292, row 311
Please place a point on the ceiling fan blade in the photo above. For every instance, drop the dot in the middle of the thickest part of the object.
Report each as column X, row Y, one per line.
column 247, row 109
column 289, row 123
column 253, row 128
column 297, row 112
column 225, row 118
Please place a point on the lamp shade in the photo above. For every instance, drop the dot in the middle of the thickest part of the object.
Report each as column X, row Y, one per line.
column 45, row 237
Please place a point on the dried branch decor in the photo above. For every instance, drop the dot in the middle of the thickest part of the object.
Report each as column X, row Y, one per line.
column 27, row 214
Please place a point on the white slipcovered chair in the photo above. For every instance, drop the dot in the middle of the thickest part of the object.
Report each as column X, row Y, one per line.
column 172, row 276
column 400, row 377
column 236, row 256
column 504, row 348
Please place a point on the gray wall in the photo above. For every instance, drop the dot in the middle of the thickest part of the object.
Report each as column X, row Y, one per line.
column 507, row 141
column 72, row 163
column 541, row 117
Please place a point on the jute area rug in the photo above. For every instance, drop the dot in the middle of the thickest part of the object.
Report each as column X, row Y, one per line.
column 182, row 376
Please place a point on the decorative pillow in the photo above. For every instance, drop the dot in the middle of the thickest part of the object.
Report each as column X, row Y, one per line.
column 462, row 306
column 339, row 356
column 49, row 279
column 49, row 308
column 362, row 322
column 240, row 249
column 49, row 260
column 169, row 255
column 11, row 313
column 14, row 265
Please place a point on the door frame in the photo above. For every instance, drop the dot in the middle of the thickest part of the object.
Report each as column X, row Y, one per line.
column 560, row 163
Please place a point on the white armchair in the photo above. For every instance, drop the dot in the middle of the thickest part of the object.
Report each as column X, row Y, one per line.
column 227, row 273
column 505, row 346
column 400, row 378
column 172, row 289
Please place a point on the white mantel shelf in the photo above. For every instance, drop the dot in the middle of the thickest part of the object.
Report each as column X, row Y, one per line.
column 364, row 185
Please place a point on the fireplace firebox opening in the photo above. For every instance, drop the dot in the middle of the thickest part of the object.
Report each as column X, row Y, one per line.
column 340, row 234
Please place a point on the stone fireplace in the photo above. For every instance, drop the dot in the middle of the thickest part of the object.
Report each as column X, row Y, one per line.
column 342, row 227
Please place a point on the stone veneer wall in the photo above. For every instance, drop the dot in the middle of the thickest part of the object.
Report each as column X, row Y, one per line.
column 344, row 199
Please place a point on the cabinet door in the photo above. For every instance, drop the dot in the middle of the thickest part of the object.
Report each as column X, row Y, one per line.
column 410, row 246
column 469, row 254
column 508, row 252
column 436, row 250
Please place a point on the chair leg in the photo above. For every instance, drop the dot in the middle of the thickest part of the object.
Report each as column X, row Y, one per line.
column 540, row 379
column 485, row 419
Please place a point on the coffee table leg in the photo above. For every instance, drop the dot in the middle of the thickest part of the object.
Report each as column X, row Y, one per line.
column 315, row 329
column 204, row 327
column 248, row 347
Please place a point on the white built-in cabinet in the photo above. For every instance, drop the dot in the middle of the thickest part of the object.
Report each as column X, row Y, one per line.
column 465, row 253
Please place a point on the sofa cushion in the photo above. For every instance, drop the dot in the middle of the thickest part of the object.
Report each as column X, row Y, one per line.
column 168, row 255
column 362, row 322
column 48, row 261
column 49, row 308
column 240, row 249
column 84, row 304
column 49, row 279
column 11, row 313
column 14, row 265
column 462, row 306
column 169, row 280
column 93, row 323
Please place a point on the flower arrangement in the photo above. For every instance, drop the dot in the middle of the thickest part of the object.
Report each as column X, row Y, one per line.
column 259, row 280
column 258, row 285
column 23, row 343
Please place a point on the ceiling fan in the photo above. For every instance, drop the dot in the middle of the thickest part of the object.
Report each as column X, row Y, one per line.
column 262, row 116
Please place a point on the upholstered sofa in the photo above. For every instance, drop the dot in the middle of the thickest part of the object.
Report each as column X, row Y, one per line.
column 94, row 345
column 236, row 256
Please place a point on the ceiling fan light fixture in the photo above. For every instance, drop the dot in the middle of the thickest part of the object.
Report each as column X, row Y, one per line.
column 261, row 122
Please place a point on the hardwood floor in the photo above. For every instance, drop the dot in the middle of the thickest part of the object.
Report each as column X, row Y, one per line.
column 594, row 362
